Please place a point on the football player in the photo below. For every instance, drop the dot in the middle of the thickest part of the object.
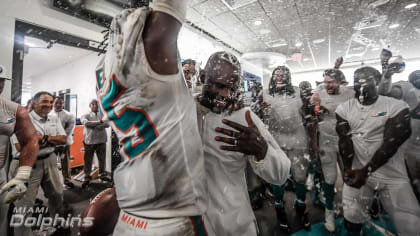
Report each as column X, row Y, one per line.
column 325, row 145
column 371, row 129
column 160, row 186
column 232, row 137
column 284, row 117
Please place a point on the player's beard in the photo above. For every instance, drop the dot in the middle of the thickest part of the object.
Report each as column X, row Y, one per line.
column 215, row 102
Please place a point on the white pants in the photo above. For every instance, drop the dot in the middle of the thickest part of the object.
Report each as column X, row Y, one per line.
column 130, row 225
column 329, row 146
column 397, row 198
column 44, row 174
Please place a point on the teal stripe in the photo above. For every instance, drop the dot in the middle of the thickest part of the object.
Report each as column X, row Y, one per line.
column 319, row 230
column 199, row 225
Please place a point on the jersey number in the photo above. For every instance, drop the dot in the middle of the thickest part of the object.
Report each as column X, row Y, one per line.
column 128, row 120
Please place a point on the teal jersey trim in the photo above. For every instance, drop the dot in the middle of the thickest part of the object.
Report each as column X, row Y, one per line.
column 127, row 119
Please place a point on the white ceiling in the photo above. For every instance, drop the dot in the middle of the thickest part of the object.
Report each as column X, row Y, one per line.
column 39, row 60
column 325, row 29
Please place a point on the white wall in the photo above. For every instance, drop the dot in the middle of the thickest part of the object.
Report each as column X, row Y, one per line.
column 78, row 75
column 36, row 11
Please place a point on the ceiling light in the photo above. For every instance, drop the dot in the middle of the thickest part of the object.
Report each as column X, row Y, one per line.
column 257, row 22
column 30, row 44
column 298, row 44
column 277, row 43
column 265, row 31
column 318, row 41
column 393, row 26
column 411, row 5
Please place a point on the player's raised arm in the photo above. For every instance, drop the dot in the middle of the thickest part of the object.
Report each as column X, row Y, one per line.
column 160, row 35
column 26, row 134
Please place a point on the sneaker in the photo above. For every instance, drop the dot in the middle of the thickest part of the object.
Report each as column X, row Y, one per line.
column 303, row 217
column 69, row 184
column 282, row 219
column 105, row 178
column 329, row 220
column 85, row 183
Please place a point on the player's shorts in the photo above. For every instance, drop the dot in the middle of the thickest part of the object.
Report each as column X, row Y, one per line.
column 397, row 198
column 130, row 225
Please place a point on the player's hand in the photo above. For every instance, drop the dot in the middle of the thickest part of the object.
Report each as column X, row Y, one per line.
column 247, row 141
column 16, row 187
column 264, row 105
column 315, row 99
column 355, row 178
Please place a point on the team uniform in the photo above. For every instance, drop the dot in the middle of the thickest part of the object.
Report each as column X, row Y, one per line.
column 367, row 125
column 285, row 123
column 8, row 111
column 328, row 140
column 162, row 177
column 229, row 211
column 411, row 147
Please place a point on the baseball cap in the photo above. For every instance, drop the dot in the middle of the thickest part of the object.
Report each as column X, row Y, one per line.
column 3, row 73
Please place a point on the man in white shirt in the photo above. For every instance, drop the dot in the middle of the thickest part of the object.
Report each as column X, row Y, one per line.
column 94, row 139
column 63, row 151
column 45, row 173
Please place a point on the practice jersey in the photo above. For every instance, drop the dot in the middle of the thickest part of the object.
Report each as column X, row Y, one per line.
column 367, row 125
column 230, row 211
column 8, row 111
column 330, row 102
column 154, row 117
column 284, row 119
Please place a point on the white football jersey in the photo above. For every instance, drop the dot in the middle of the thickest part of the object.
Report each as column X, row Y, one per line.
column 367, row 125
column 154, row 117
column 327, row 125
column 230, row 211
column 284, row 119
column 8, row 111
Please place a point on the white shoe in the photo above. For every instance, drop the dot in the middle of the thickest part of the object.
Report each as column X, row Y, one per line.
column 310, row 182
column 329, row 220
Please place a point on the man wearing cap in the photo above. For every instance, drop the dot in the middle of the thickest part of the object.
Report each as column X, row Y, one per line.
column 325, row 145
column 14, row 119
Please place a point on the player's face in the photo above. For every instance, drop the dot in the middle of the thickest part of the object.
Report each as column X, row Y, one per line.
column 416, row 83
column 365, row 87
column 221, row 86
column 189, row 72
column 58, row 104
column 331, row 85
column 44, row 105
column 94, row 107
column 280, row 78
